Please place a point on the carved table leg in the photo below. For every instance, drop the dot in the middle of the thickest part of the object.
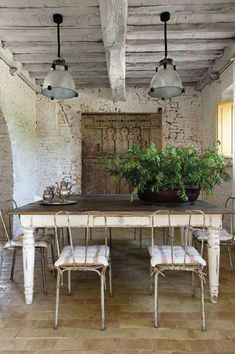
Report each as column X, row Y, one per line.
column 214, row 263
column 28, row 263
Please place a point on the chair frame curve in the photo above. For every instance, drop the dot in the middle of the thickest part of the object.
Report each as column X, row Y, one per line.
column 195, row 269
column 100, row 269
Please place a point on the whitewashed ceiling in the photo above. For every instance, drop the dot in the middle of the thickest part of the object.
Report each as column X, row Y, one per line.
column 118, row 43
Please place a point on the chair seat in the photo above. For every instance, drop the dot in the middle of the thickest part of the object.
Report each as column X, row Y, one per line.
column 225, row 236
column 41, row 241
column 95, row 256
column 162, row 255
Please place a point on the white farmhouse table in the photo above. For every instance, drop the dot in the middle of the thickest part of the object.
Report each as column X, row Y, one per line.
column 120, row 213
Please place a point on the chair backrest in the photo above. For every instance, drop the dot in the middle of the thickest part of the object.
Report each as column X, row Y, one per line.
column 201, row 218
column 6, row 220
column 89, row 218
column 230, row 203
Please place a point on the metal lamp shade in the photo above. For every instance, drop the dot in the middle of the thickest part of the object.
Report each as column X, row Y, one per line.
column 166, row 83
column 59, row 84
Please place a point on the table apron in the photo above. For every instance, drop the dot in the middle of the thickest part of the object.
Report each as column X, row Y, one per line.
column 176, row 220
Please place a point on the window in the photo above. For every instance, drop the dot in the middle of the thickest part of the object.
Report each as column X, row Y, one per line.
column 225, row 128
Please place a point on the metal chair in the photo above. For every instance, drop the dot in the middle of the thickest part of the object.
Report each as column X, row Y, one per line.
column 173, row 257
column 95, row 258
column 15, row 243
column 227, row 238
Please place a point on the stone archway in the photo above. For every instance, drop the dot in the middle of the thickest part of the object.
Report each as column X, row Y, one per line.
column 6, row 163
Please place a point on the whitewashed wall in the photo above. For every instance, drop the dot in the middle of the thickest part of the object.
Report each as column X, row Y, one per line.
column 211, row 95
column 45, row 135
column 6, row 164
column 180, row 117
column 59, row 152
column 59, row 143
column 18, row 106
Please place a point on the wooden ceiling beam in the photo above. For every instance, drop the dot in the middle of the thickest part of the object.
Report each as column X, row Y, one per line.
column 81, row 67
column 223, row 7
column 82, row 17
column 218, row 66
column 181, row 14
column 179, row 45
column 113, row 15
column 184, row 31
column 76, row 75
column 48, row 58
column 148, row 3
column 67, row 48
column 47, row 3
column 149, row 74
column 48, row 34
column 16, row 68
column 177, row 56
column 179, row 65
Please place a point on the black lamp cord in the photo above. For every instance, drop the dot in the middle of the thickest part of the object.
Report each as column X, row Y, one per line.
column 58, row 39
column 165, row 38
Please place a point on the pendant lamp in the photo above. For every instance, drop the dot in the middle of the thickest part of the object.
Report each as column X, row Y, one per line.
column 58, row 82
column 166, row 83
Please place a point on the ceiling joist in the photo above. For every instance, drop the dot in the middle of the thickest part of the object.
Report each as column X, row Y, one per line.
column 113, row 15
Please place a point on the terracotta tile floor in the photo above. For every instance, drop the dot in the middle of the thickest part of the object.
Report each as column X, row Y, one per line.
column 129, row 314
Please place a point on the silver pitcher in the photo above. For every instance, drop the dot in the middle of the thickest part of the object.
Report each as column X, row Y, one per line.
column 49, row 193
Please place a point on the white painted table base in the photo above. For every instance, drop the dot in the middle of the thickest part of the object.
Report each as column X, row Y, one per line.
column 29, row 222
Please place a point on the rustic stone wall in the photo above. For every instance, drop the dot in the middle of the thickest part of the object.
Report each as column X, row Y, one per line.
column 181, row 116
column 59, row 143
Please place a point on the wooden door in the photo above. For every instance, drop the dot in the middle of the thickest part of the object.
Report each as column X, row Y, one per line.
column 110, row 134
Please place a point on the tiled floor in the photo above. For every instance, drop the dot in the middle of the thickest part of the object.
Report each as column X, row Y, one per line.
column 29, row 329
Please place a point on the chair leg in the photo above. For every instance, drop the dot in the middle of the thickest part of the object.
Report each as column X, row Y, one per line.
column 141, row 237
column 1, row 263
column 135, row 232
column 67, row 232
column 91, row 235
column 203, row 306
column 53, row 258
column 42, row 251
column 102, row 302
column 69, row 282
column 156, row 300
column 110, row 238
column 230, row 257
column 110, row 281
column 193, row 284
column 57, row 301
column 13, row 264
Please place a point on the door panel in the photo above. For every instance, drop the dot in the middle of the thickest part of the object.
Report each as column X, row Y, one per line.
column 110, row 134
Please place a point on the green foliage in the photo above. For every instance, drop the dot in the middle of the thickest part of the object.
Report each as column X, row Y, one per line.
column 173, row 167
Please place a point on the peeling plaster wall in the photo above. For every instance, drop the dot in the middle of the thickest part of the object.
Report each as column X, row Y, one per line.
column 59, row 143
column 180, row 117
column 18, row 105
column 211, row 95
column 59, row 152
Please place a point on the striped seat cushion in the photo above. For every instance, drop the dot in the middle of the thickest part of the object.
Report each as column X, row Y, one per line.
column 95, row 255
column 224, row 234
column 41, row 241
column 163, row 255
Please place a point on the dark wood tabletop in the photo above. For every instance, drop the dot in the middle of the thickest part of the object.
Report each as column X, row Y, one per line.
column 116, row 204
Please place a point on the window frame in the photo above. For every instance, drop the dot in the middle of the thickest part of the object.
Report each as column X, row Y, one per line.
column 224, row 103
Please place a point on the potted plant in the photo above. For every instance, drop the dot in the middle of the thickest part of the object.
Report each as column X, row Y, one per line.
column 171, row 175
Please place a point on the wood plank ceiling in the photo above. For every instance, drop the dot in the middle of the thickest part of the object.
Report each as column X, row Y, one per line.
column 118, row 43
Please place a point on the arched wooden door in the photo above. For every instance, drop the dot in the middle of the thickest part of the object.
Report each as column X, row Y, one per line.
column 110, row 134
